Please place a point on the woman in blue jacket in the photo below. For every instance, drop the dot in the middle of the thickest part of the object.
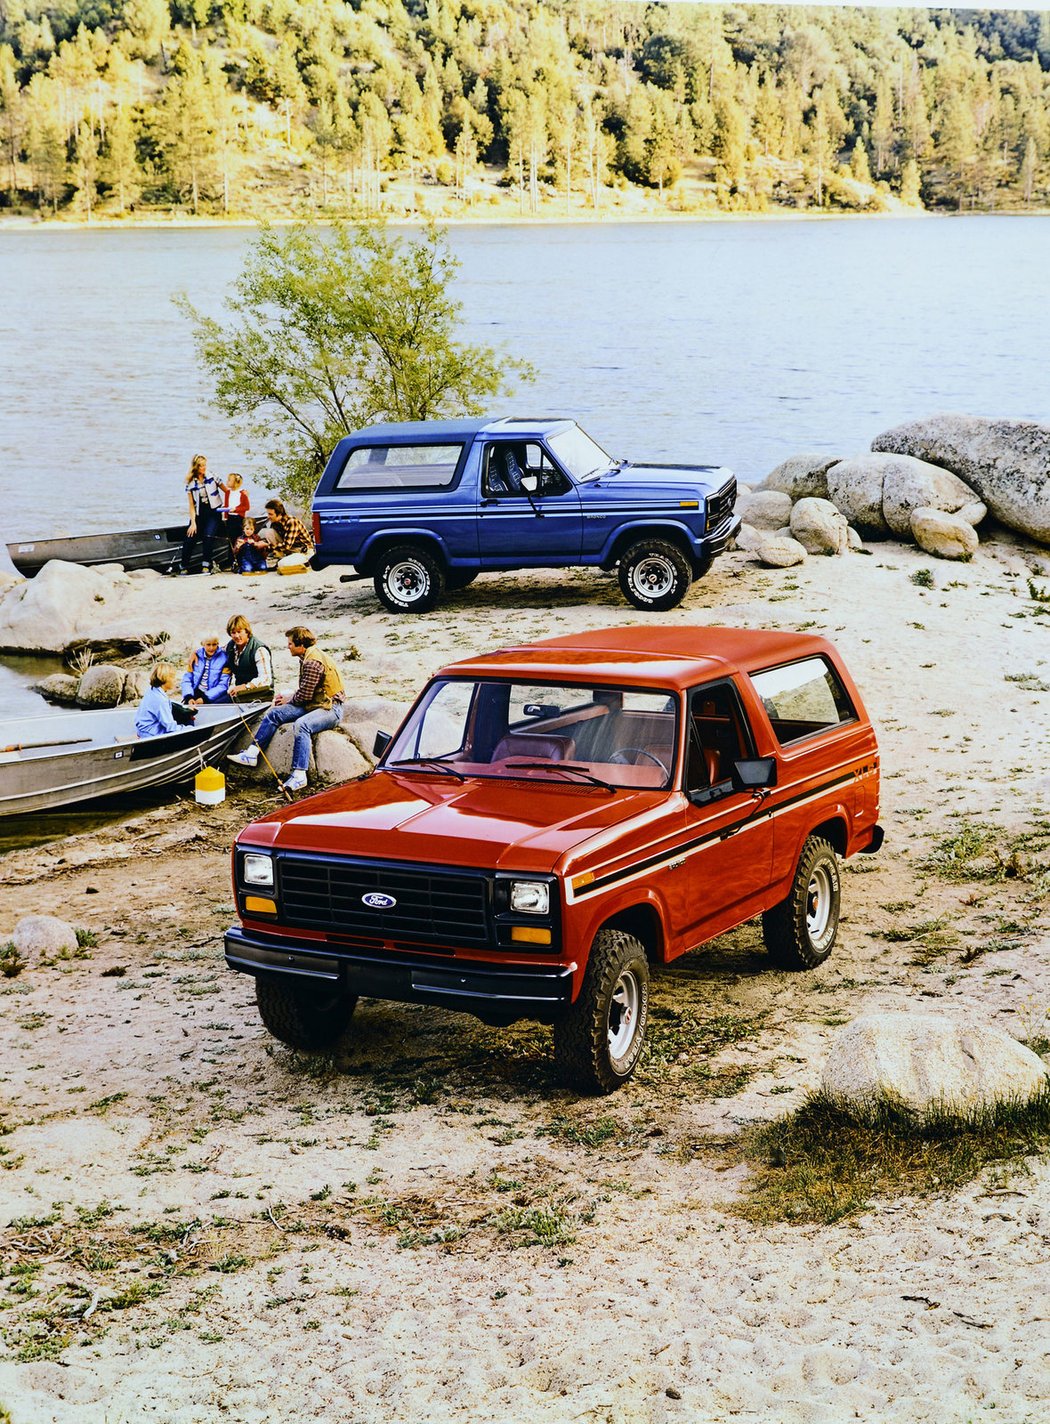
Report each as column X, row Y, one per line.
column 207, row 678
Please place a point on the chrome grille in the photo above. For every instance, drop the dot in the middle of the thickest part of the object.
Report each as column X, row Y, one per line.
column 437, row 906
column 720, row 504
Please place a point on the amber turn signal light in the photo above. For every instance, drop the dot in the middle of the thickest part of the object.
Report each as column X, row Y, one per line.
column 529, row 934
column 256, row 904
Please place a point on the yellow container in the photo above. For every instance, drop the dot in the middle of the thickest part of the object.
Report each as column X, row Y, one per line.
column 209, row 787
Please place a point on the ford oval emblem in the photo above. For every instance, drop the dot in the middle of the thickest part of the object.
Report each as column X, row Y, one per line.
column 377, row 901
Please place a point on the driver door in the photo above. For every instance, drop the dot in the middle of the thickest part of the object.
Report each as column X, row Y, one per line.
column 539, row 522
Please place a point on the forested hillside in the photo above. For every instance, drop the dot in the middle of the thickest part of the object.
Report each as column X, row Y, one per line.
column 263, row 108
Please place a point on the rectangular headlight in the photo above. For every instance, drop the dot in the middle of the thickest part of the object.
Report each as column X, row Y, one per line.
column 258, row 870
column 530, row 897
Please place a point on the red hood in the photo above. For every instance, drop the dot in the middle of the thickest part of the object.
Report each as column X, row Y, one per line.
column 491, row 824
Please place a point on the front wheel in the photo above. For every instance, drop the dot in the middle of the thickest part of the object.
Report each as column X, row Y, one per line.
column 800, row 931
column 655, row 575
column 598, row 1044
column 305, row 1016
column 409, row 579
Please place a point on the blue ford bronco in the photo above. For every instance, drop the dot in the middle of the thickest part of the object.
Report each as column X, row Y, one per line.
column 422, row 507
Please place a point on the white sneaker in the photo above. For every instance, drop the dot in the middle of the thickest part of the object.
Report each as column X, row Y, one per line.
column 249, row 757
column 296, row 782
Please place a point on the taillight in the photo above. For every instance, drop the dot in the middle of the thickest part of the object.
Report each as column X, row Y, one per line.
column 316, row 520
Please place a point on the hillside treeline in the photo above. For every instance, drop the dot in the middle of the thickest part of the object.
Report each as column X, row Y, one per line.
column 265, row 107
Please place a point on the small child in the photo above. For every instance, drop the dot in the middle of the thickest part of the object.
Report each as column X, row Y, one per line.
column 154, row 716
column 251, row 550
column 207, row 678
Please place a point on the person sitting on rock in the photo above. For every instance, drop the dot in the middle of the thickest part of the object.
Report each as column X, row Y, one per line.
column 315, row 706
column 154, row 716
column 207, row 678
column 249, row 662
column 293, row 537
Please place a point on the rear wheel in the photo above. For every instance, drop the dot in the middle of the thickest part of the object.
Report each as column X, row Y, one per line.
column 654, row 574
column 409, row 579
column 800, row 931
column 598, row 1044
column 305, row 1016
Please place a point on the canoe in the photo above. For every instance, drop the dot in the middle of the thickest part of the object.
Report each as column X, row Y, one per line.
column 49, row 762
column 134, row 548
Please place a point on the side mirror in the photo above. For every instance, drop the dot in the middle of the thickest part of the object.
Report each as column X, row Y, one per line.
column 382, row 741
column 754, row 773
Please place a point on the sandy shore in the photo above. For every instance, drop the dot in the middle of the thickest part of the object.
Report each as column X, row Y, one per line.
column 200, row 1224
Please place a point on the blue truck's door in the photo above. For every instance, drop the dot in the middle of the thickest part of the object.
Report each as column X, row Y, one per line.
column 528, row 510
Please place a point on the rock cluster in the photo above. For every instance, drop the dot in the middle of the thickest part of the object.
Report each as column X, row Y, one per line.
column 102, row 685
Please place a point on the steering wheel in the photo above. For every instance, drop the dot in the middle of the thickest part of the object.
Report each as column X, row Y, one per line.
column 628, row 756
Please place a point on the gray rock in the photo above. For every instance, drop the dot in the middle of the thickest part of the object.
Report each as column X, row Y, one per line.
column 364, row 717
column 854, row 540
column 819, row 527
column 338, row 759
column 780, row 553
column 802, row 476
column 136, row 681
column 1006, row 461
column 924, row 1062
column 749, row 539
column 768, row 509
column 101, row 686
column 37, row 935
column 973, row 513
column 60, row 687
column 946, row 536
column 855, row 488
column 910, row 484
column 63, row 602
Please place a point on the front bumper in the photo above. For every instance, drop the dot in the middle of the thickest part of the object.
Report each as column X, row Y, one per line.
column 489, row 990
column 708, row 546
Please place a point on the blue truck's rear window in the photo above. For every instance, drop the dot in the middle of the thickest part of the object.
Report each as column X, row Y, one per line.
column 406, row 467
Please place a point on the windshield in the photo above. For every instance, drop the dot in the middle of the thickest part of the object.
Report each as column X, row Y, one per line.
column 571, row 733
column 583, row 457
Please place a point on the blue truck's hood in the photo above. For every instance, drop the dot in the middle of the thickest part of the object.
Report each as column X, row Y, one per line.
column 656, row 480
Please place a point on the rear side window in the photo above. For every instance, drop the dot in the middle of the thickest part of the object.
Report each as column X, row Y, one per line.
column 399, row 467
column 802, row 698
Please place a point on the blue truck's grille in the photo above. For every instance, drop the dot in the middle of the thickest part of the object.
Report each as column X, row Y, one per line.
column 436, row 906
column 720, row 504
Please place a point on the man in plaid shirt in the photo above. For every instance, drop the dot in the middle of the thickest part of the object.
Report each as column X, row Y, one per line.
column 293, row 537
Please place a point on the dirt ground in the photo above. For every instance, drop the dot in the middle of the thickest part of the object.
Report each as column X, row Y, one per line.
column 199, row 1223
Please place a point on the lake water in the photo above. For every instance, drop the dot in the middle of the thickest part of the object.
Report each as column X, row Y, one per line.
column 737, row 343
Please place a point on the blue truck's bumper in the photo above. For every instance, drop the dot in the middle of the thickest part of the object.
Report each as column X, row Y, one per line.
column 717, row 541
column 491, row 991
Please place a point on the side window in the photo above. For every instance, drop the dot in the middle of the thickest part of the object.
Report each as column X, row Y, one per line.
column 718, row 733
column 399, row 467
column 802, row 698
column 515, row 469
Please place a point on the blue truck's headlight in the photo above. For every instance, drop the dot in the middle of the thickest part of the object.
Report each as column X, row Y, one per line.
column 530, row 897
column 257, row 870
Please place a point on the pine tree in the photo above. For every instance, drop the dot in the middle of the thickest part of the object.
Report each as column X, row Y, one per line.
column 86, row 170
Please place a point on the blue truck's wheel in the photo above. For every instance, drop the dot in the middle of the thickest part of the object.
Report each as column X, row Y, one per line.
column 409, row 579
column 654, row 574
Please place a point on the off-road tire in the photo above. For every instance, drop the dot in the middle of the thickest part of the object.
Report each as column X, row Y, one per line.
column 409, row 579
column 800, row 931
column 456, row 579
column 655, row 575
column 302, row 1015
column 594, row 1050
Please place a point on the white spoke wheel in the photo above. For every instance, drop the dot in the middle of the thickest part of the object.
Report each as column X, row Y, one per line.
column 654, row 574
column 409, row 579
column 599, row 1042
column 800, row 932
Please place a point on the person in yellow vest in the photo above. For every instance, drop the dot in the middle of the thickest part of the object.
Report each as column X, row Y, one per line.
column 314, row 706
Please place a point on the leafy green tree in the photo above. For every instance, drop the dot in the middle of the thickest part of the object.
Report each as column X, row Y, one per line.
column 327, row 332
column 911, row 184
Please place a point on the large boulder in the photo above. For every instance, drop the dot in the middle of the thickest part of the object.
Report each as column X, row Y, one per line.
column 60, row 687
column 63, row 602
column 946, row 536
column 101, row 686
column 909, row 484
column 855, row 488
column 768, row 509
column 819, row 527
column 38, row 936
column 926, row 1062
column 1006, row 461
column 802, row 476
column 780, row 553
column 363, row 717
column 337, row 758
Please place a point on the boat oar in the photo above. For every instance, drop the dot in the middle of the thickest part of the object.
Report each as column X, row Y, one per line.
column 30, row 746
column 276, row 774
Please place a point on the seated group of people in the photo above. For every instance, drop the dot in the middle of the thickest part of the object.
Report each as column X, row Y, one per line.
column 242, row 671
column 282, row 537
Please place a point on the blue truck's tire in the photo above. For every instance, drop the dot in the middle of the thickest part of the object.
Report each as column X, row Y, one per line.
column 408, row 579
column 655, row 574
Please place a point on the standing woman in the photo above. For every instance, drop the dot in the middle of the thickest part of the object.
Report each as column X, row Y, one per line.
column 204, row 498
column 234, row 507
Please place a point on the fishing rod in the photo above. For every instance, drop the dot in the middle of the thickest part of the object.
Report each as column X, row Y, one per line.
column 30, row 746
column 262, row 752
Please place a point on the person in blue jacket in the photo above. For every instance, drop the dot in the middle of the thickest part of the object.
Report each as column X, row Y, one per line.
column 207, row 677
column 154, row 716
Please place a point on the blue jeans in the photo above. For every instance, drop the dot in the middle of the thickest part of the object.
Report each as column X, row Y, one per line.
column 306, row 725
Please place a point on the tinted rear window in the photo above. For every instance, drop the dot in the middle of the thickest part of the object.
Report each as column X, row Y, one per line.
column 802, row 698
column 399, row 467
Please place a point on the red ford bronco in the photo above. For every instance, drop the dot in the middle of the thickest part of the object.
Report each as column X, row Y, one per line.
column 550, row 821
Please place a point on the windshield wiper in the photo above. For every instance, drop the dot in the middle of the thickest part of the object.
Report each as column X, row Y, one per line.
column 562, row 766
column 428, row 764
